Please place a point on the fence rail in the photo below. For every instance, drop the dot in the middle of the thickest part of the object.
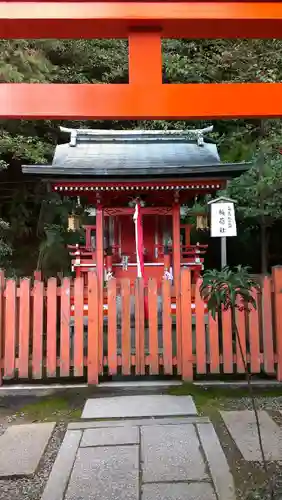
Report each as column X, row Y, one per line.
column 47, row 332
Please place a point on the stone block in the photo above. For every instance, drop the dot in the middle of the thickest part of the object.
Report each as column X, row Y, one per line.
column 218, row 466
column 178, row 491
column 106, row 473
column 110, row 436
column 60, row 473
column 139, row 406
column 171, row 453
column 21, row 448
column 94, row 424
column 242, row 427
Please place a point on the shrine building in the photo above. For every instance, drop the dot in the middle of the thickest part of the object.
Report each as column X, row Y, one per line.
column 137, row 184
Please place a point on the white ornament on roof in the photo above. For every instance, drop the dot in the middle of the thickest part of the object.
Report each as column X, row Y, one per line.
column 193, row 134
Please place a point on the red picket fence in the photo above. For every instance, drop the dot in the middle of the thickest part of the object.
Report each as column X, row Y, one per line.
column 41, row 337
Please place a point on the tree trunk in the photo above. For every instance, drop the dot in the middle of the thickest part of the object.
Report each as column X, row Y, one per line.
column 248, row 376
column 264, row 247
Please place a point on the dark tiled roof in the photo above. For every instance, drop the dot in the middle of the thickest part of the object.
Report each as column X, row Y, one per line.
column 98, row 153
column 128, row 152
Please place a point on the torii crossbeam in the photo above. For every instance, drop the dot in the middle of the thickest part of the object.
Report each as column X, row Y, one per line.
column 144, row 24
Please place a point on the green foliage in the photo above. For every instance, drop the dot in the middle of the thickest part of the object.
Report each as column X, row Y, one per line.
column 258, row 191
column 228, row 289
column 52, row 229
column 6, row 249
column 53, row 253
column 90, row 61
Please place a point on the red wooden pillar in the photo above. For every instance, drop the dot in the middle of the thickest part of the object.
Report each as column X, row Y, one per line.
column 166, row 262
column 187, row 234
column 176, row 278
column 145, row 57
column 100, row 275
column 277, row 284
column 2, row 324
column 37, row 275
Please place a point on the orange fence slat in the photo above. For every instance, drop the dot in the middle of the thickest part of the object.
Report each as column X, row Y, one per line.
column 277, row 285
column 153, row 326
column 23, row 306
column 65, row 328
column 112, row 327
column 125, row 322
column 267, row 330
column 10, row 330
column 139, row 327
column 214, row 344
column 24, row 327
column 253, row 317
column 37, row 275
column 78, row 327
column 93, row 329
column 227, row 341
column 186, row 325
column 2, row 313
column 241, row 328
column 51, row 363
column 167, row 334
column 200, row 331
column 37, row 334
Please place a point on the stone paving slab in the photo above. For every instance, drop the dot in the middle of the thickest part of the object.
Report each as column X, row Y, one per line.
column 139, row 406
column 178, row 491
column 171, row 457
column 107, row 473
column 21, row 448
column 59, row 477
column 112, row 436
column 217, row 463
column 144, row 422
column 242, row 427
column 171, row 453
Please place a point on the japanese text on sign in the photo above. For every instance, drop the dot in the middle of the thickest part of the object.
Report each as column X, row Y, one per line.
column 223, row 222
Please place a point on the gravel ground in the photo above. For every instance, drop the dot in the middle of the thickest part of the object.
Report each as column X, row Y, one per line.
column 244, row 403
column 32, row 488
column 250, row 478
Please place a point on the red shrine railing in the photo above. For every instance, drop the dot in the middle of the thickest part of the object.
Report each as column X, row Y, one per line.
column 191, row 255
column 39, row 339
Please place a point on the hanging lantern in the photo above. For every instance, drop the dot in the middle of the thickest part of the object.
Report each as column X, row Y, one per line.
column 201, row 222
column 73, row 222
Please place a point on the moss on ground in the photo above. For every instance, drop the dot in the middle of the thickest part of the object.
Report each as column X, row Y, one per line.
column 210, row 399
column 51, row 408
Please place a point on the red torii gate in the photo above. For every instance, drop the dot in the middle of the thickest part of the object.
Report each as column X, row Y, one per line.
column 144, row 24
column 145, row 96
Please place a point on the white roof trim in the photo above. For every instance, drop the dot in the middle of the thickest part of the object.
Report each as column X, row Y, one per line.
column 136, row 132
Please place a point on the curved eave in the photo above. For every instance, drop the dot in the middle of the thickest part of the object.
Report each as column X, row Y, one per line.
column 223, row 170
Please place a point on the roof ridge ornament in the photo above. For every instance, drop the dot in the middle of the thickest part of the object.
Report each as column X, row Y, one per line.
column 73, row 137
column 196, row 134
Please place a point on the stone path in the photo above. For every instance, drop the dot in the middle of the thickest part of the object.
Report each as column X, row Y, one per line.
column 138, row 460
column 173, row 458
column 139, row 448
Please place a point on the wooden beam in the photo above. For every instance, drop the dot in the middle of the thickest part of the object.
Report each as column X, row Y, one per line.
column 116, row 19
column 141, row 67
column 175, row 101
column 176, row 279
column 100, row 275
